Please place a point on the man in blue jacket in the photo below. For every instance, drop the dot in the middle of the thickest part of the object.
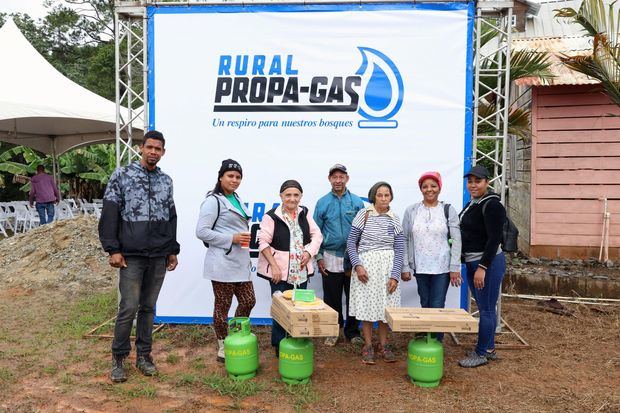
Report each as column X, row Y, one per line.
column 333, row 214
column 138, row 229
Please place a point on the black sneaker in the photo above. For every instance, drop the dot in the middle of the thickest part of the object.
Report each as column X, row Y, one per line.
column 118, row 374
column 145, row 364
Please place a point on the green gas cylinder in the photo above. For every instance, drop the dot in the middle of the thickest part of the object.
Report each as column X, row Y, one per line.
column 296, row 360
column 241, row 349
column 425, row 361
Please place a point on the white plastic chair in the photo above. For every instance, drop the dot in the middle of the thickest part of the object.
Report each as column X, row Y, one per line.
column 8, row 215
column 63, row 211
column 3, row 222
column 85, row 206
column 33, row 217
column 22, row 217
column 73, row 205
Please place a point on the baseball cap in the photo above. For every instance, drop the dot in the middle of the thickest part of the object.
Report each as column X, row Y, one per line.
column 338, row 167
column 478, row 171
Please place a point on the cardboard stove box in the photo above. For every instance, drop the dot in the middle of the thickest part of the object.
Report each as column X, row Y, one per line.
column 303, row 322
column 434, row 320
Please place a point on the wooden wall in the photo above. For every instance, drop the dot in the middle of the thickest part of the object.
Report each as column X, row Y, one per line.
column 519, row 192
column 575, row 163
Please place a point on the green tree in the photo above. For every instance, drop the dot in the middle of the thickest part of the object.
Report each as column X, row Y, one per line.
column 83, row 172
column 603, row 24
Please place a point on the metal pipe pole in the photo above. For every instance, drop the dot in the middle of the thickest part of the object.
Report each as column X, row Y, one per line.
column 498, row 328
column 117, row 82
column 145, row 72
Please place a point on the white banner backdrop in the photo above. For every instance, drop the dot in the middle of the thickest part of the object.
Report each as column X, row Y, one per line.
column 288, row 91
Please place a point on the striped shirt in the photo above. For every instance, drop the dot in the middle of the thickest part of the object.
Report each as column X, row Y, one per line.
column 379, row 232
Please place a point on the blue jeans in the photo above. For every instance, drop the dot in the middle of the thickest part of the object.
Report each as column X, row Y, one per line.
column 486, row 299
column 277, row 332
column 45, row 208
column 432, row 289
column 139, row 284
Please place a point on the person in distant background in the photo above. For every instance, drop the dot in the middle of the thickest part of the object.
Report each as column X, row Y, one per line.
column 44, row 191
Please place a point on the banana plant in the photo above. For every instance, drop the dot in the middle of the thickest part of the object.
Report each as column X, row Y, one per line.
column 602, row 22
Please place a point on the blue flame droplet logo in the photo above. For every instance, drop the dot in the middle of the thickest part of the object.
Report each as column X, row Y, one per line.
column 383, row 93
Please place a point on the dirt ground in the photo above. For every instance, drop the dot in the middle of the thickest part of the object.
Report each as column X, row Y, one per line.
column 46, row 365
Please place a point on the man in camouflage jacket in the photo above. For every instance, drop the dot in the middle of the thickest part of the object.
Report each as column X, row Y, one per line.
column 138, row 230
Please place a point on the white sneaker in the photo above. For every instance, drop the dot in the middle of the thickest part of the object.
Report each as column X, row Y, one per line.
column 221, row 356
column 331, row 341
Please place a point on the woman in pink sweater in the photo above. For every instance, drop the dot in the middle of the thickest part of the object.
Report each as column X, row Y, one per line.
column 288, row 240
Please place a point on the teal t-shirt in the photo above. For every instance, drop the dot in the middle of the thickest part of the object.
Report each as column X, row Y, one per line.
column 233, row 200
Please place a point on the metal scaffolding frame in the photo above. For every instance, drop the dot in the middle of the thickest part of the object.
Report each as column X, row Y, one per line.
column 132, row 80
column 497, row 17
column 130, row 43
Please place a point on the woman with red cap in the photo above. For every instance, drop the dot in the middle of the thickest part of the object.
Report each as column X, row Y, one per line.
column 433, row 244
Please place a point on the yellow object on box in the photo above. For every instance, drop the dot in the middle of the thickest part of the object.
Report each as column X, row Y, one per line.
column 288, row 294
column 316, row 303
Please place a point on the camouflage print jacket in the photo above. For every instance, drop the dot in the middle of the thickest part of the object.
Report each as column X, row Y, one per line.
column 139, row 217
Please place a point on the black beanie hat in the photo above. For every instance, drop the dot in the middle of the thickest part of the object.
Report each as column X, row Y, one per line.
column 291, row 183
column 229, row 165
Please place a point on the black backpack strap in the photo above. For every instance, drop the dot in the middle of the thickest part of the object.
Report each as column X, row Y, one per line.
column 446, row 212
column 216, row 218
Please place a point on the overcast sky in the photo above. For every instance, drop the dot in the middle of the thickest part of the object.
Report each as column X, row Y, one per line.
column 33, row 7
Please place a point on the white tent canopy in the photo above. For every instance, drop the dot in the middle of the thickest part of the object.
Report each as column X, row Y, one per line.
column 42, row 109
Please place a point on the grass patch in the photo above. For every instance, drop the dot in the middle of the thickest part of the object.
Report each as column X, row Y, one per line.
column 186, row 379
column 50, row 370
column 5, row 377
column 198, row 364
column 66, row 379
column 173, row 358
column 303, row 394
column 143, row 390
column 88, row 313
column 147, row 391
column 190, row 335
column 234, row 388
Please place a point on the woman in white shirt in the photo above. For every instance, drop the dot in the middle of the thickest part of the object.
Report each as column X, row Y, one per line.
column 433, row 244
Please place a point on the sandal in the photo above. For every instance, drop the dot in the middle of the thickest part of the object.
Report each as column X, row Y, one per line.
column 368, row 355
column 387, row 353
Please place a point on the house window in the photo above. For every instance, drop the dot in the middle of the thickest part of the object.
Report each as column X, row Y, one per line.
column 513, row 23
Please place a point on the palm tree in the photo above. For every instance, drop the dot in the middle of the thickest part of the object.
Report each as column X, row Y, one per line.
column 603, row 24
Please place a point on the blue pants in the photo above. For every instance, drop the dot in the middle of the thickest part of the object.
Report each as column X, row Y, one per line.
column 486, row 299
column 139, row 285
column 277, row 332
column 432, row 289
column 45, row 208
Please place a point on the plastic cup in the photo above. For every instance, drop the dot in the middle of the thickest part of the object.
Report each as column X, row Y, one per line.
column 245, row 244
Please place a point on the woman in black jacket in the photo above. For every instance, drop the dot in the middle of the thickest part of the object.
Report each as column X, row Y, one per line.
column 482, row 222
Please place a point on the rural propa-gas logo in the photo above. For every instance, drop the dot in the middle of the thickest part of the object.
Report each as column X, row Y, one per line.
column 272, row 83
